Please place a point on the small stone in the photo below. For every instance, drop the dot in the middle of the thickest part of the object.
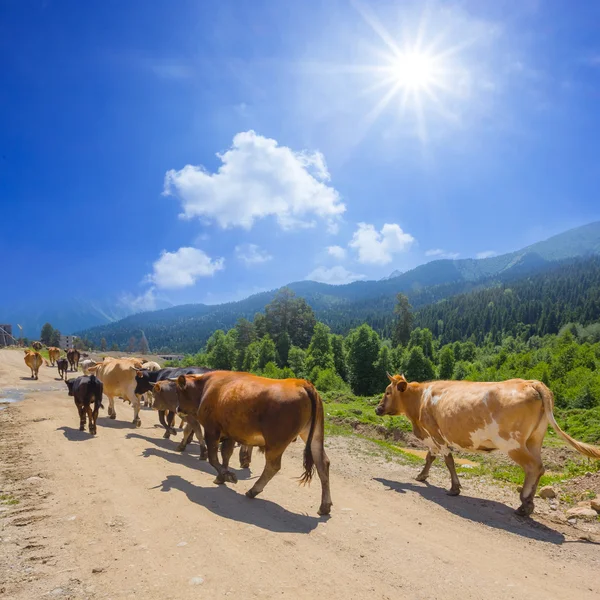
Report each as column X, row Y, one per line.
column 34, row 478
column 98, row 570
column 572, row 521
column 595, row 504
column 519, row 488
column 57, row 592
column 181, row 544
column 588, row 474
column 547, row 492
column 582, row 512
column 196, row 581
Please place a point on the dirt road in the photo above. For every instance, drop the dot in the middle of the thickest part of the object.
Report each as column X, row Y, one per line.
column 123, row 515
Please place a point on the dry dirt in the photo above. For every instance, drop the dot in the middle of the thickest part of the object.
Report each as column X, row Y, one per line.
column 122, row 515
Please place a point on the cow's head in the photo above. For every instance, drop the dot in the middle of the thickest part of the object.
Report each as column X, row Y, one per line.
column 142, row 382
column 391, row 403
column 70, row 383
column 189, row 394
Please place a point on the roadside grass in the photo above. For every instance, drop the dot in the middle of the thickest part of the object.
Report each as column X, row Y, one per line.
column 347, row 415
column 9, row 500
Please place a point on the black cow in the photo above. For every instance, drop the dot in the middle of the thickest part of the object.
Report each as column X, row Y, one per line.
column 63, row 367
column 145, row 381
column 86, row 390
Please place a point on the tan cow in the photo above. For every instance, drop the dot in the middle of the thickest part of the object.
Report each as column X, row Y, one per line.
column 53, row 354
column 149, row 366
column 34, row 361
column 118, row 378
column 511, row 416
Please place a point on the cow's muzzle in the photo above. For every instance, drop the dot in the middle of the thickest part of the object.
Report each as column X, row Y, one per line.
column 379, row 410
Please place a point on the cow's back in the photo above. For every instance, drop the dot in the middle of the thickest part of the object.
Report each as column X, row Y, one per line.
column 118, row 376
column 480, row 415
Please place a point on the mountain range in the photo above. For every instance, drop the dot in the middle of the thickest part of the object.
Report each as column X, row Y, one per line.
column 185, row 328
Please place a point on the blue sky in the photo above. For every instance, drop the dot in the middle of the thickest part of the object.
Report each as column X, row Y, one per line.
column 202, row 151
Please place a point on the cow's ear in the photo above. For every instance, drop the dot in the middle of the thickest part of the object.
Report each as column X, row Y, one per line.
column 181, row 382
column 402, row 385
column 139, row 374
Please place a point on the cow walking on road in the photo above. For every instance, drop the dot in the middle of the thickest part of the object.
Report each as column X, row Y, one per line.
column 256, row 411
column 511, row 416
column 87, row 391
column 73, row 358
column 34, row 361
column 53, row 354
column 63, row 367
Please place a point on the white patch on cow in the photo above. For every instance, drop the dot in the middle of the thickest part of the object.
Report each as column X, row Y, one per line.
column 489, row 437
column 427, row 394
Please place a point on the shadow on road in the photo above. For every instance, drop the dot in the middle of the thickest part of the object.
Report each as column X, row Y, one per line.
column 74, row 435
column 114, row 423
column 167, row 452
column 489, row 512
column 228, row 503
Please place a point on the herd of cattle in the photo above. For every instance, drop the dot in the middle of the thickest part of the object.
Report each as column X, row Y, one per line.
column 223, row 408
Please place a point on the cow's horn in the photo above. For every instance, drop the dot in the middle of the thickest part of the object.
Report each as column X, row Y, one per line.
column 389, row 376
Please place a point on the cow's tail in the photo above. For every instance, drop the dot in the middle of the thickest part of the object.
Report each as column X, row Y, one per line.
column 309, row 462
column 548, row 401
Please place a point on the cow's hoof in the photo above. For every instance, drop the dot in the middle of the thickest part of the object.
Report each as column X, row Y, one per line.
column 324, row 509
column 453, row 492
column 166, row 435
column 219, row 479
column 251, row 493
column 137, row 422
column 245, row 465
column 204, row 456
column 112, row 416
column 421, row 477
column 524, row 510
column 82, row 428
column 173, row 431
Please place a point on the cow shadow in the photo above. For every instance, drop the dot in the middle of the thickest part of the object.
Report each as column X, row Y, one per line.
column 27, row 378
column 74, row 435
column 114, row 423
column 166, row 451
column 479, row 510
column 226, row 502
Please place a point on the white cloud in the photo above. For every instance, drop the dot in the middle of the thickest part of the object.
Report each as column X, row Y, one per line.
column 335, row 275
column 258, row 178
column 337, row 252
column 182, row 268
column 378, row 247
column 251, row 254
column 486, row 254
column 439, row 253
column 141, row 303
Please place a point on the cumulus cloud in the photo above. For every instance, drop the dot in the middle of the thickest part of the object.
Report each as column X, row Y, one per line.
column 337, row 252
column 258, row 178
column 486, row 254
column 439, row 253
column 335, row 275
column 251, row 254
column 181, row 268
column 141, row 303
column 378, row 247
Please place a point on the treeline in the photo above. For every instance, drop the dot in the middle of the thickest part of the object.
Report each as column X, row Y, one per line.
column 287, row 341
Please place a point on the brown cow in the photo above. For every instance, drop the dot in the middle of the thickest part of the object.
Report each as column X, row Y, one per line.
column 256, row 411
column 511, row 416
column 37, row 346
column 34, row 361
column 63, row 367
column 73, row 358
column 53, row 354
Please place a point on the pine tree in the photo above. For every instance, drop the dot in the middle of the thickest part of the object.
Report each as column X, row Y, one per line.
column 46, row 334
column 284, row 343
column 55, row 338
column 418, row 366
column 297, row 361
column 319, row 352
column 404, row 320
column 339, row 356
column 446, row 362
column 103, row 345
column 363, row 350
column 383, row 366
column 266, row 352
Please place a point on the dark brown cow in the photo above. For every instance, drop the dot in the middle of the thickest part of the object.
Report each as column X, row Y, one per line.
column 63, row 367
column 73, row 358
column 256, row 411
column 86, row 391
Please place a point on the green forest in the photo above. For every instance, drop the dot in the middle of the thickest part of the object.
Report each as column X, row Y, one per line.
column 287, row 340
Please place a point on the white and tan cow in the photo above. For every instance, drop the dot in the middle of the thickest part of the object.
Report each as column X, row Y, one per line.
column 511, row 416
column 118, row 377
column 86, row 364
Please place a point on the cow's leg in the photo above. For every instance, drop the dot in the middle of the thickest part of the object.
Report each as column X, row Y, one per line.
column 245, row 456
column 212, row 443
column 188, row 434
column 163, row 422
column 94, row 419
column 197, row 429
column 81, row 410
column 322, row 463
column 455, row 485
column 531, row 462
column 112, row 413
column 424, row 474
column 91, row 422
column 272, row 466
column 226, row 452
column 135, row 401
column 181, row 424
column 171, row 421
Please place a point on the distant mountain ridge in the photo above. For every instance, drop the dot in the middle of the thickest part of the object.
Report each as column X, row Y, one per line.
column 186, row 328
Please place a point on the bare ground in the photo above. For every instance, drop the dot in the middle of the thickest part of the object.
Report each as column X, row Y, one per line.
column 123, row 515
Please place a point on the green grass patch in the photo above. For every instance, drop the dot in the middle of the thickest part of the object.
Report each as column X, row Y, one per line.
column 8, row 499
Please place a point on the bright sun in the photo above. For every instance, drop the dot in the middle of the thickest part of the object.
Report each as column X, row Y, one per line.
column 413, row 71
